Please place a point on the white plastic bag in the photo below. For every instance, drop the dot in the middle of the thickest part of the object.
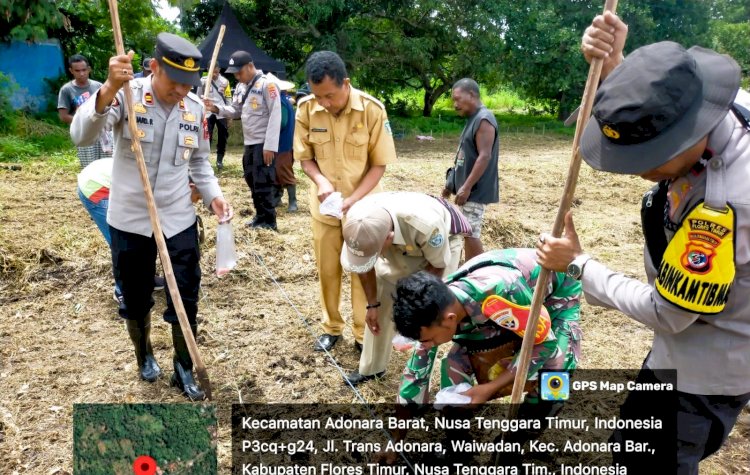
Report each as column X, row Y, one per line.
column 401, row 343
column 452, row 396
column 226, row 257
column 332, row 205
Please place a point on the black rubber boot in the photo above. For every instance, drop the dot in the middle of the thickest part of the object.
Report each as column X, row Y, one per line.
column 292, row 192
column 140, row 335
column 183, row 365
column 276, row 195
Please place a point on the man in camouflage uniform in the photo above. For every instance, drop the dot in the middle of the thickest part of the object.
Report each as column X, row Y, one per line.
column 471, row 310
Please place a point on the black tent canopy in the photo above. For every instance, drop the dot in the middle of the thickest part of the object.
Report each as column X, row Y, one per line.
column 235, row 39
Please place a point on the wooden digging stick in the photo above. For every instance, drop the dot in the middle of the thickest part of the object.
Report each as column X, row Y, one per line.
column 217, row 47
column 161, row 244
column 587, row 102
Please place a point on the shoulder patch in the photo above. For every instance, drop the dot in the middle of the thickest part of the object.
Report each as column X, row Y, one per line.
column 373, row 99
column 436, row 239
column 273, row 91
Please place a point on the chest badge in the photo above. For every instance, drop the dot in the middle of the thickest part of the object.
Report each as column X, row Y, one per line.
column 140, row 133
column 186, row 154
column 148, row 98
column 188, row 117
column 254, row 103
column 189, row 141
column 139, row 108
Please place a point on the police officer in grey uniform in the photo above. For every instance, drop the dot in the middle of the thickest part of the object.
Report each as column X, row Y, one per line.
column 172, row 131
column 256, row 101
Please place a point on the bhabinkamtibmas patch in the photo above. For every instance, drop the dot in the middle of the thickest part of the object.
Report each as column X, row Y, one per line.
column 697, row 269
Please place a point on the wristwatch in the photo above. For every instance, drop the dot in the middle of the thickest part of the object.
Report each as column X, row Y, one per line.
column 575, row 268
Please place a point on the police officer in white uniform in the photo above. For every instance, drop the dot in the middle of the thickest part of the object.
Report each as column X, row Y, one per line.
column 173, row 135
column 256, row 101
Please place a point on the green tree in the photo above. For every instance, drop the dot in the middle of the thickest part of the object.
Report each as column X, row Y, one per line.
column 198, row 20
column 90, row 30
column 28, row 20
column 541, row 56
column 426, row 45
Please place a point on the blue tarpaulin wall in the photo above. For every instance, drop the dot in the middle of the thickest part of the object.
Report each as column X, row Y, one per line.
column 28, row 64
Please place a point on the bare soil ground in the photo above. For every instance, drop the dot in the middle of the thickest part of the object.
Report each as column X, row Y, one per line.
column 62, row 343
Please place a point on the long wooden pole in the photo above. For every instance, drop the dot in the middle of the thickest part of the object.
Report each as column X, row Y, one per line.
column 161, row 244
column 214, row 57
column 592, row 82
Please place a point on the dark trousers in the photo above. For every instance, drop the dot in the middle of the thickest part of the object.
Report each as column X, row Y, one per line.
column 260, row 179
column 134, row 262
column 223, row 135
column 702, row 425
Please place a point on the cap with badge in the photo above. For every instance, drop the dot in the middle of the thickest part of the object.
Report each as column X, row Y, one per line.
column 238, row 60
column 179, row 57
column 365, row 230
column 659, row 102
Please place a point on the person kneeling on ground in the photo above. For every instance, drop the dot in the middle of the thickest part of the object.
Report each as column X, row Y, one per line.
column 483, row 308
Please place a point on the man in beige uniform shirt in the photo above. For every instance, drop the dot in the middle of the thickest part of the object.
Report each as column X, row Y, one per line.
column 343, row 141
column 409, row 232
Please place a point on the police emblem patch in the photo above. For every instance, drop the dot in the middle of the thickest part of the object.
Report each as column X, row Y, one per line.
column 436, row 239
column 272, row 91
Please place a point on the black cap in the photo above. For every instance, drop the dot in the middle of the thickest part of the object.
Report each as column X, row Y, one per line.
column 146, row 63
column 180, row 58
column 659, row 102
column 238, row 60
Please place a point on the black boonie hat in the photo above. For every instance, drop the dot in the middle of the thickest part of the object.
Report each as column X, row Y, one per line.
column 179, row 57
column 238, row 60
column 658, row 103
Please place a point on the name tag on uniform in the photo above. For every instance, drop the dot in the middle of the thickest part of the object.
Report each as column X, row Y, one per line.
column 319, row 130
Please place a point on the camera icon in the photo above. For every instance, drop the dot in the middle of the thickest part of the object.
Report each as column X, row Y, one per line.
column 555, row 386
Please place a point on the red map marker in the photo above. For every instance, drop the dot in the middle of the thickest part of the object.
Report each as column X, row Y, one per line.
column 144, row 465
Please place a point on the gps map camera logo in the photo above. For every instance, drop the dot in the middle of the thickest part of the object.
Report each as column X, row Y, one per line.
column 555, row 386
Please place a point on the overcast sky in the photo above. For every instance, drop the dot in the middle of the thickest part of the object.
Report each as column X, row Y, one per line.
column 167, row 12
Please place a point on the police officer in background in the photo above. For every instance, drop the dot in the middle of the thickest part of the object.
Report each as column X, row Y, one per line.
column 256, row 101
column 172, row 131
column 220, row 93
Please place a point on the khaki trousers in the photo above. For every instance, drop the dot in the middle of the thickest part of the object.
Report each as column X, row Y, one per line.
column 327, row 243
column 376, row 351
